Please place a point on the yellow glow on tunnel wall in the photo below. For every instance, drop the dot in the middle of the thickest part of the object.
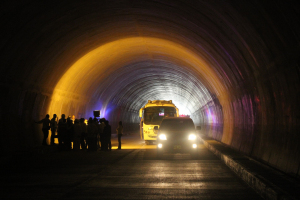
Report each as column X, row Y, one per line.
column 83, row 77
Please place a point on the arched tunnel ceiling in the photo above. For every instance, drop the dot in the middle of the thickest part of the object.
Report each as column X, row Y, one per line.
column 133, row 85
column 163, row 78
column 80, row 27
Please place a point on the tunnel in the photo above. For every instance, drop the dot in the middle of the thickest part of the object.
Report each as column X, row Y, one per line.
column 233, row 66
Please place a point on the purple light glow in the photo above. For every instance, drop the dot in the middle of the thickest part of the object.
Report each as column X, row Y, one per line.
column 107, row 110
column 210, row 116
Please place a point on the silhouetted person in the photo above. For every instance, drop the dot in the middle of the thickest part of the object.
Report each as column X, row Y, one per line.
column 95, row 120
column 102, row 138
column 107, row 135
column 69, row 134
column 77, row 135
column 92, row 130
column 61, row 131
column 45, row 128
column 83, row 133
column 120, row 133
column 98, row 124
column 53, row 125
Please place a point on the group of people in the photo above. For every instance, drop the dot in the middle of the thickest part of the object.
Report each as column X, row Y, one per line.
column 92, row 136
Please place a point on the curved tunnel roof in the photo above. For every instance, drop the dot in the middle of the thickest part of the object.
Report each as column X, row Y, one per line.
column 130, row 71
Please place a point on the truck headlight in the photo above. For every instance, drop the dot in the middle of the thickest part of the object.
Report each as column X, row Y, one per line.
column 162, row 137
column 192, row 137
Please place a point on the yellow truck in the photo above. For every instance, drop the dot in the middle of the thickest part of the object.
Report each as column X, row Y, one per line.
column 152, row 114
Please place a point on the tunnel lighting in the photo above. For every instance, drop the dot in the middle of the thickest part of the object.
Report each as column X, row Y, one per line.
column 126, row 50
column 192, row 137
column 183, row 111
column 162, row 137
column 194, row 146
column 159, row 146
column 210, row 116
column 85, row 73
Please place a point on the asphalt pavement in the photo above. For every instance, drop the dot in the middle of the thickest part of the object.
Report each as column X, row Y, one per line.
column 131, row 173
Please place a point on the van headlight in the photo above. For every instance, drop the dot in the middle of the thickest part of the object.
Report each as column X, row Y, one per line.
column 192, row 137
column 162, row 137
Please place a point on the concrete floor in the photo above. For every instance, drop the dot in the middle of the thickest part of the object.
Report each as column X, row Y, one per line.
column 130, row 173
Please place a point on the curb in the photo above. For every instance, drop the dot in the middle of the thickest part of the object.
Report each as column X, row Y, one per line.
column 263, row 187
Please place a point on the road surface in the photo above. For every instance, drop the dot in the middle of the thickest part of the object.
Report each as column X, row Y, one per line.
column 130, row 173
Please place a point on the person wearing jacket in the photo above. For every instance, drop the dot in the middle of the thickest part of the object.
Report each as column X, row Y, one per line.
column 61, row 131
column 77, row 135
column 92, row 130
column 69, row 134
column 45, row 128
column 119, row 133
column 107, row 136
column 101, row 128
column 53, row 126
column 83, row 134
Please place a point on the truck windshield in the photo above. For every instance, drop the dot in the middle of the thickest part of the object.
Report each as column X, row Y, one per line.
column 154, row 115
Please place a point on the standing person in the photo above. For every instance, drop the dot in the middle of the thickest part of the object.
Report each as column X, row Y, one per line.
column 69, row 134
column 91, row 135
column 83, row 133
column 107, row 135
column 53, row 125
column 98, row 124
column 98, row 134
column 46, row 127
column 77, row 135
column 120, row 133
column 102, row 137
column 61, row 131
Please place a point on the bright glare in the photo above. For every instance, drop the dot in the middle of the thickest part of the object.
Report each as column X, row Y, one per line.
column 159, row 145
column 194, row 146
column 162, row 137
column 192, row 137
column 182, row 109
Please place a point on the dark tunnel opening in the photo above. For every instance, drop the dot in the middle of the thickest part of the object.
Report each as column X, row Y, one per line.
column 234, row 72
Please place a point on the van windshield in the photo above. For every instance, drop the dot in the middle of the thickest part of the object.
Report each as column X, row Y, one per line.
column 177, row 124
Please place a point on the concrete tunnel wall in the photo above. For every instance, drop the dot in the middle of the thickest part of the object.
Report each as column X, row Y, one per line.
column 232, row 65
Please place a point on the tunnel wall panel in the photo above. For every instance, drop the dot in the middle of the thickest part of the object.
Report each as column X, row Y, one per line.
column 243, row 131
column 19, row 109
column 266, row 121
column 130, row 120
column 210, row 118
column 278, row 139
